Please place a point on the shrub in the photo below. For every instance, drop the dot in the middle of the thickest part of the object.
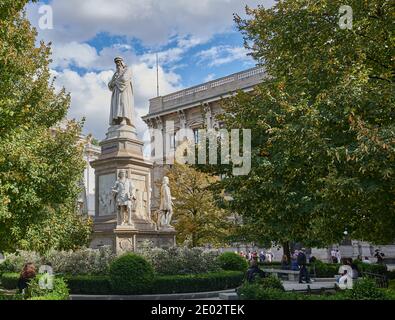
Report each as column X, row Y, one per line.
column 324, row 270
column 131, row 274
column 365, row 289
column 16, row 261
column 271, row 282
column 197, row 283
column 9, row 281
column 176, row 260
column 232, row 261
column 60, row 290
column 83, row 261
column 161, row 284
column 391, row 275
column 88, row 284
column 10, row 297
column 371, row 268
column 6, row 266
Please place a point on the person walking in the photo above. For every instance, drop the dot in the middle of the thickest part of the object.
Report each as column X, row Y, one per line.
column 261, row 257
column 302, row 263
column 338, row 256
column 379, row 256
column 333, row 256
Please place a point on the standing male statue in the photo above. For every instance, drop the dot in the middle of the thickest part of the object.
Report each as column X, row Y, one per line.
column 166, row 205
column 125, row 197
column 122, row 105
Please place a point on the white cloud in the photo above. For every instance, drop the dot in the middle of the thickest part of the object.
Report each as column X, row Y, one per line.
column 152, row 21
column 210, row 76
column 220, row 55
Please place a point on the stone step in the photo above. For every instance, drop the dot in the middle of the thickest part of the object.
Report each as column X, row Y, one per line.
column 228, row 296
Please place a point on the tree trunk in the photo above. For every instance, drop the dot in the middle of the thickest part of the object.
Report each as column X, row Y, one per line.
column 287, row 250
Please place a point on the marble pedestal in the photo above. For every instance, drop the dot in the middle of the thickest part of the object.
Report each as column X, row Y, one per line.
column 121, row 150
column 129, row 238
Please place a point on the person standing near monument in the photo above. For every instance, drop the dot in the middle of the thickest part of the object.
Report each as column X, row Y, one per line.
column 122, row 105
column 125, row 197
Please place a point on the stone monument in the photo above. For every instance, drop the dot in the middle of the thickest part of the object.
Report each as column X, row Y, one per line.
column 166, row 206
column 123, row 178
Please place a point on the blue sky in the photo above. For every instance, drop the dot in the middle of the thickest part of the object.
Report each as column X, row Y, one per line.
column 196, row 41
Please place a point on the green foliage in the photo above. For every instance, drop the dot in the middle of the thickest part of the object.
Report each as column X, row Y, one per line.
column 10, row 297
column 180, row 260
column 82, row 261
column 365, row 289
column 322, row 125
column 40, row 164
column 6, row 266
column 131, row 274
column 270, row 282
column 9, row 280
column 197, row 218
column 391, row 275
column 391, row 285
column 161, row 284
column 88, row 284
column 60, row 290
column 324, row 270
column 197, row 283
column 372, row 268
column 232, row 261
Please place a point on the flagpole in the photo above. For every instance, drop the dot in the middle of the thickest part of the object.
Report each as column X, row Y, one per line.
column 157, row 75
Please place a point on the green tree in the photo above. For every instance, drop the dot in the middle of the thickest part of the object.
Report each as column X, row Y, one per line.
column 40, row 166
column 197, row 218
column 322, row 124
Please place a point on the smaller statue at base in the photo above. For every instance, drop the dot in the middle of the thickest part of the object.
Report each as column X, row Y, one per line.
column 165, row 213
column 125, row 198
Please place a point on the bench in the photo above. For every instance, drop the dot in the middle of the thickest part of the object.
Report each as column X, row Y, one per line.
column 291, row 274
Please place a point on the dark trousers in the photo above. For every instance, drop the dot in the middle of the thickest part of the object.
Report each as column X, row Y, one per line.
column 304, row 274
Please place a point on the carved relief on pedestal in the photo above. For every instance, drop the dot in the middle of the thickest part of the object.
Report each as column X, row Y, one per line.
column 126, row 244
column 106, row 199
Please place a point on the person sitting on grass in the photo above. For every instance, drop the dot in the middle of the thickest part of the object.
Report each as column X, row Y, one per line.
column 254, row 271
column 28, row 272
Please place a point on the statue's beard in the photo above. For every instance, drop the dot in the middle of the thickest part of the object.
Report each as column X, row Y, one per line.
column 120, row 69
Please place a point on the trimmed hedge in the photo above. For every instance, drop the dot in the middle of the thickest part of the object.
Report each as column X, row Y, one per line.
column 86, row 284
column 9, row 280
column 161, row 284
column 197, row 283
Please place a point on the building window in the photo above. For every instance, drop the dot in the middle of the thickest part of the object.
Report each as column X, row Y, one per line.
column 172, row 139
column 196, row 135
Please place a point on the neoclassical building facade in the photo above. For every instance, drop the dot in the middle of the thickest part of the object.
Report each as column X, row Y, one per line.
column 191, row 108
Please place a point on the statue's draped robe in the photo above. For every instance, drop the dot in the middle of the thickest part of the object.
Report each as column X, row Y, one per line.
column 122, row 104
